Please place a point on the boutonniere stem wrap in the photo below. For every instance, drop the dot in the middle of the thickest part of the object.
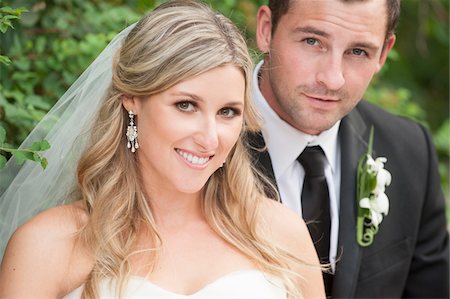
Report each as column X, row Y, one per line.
column 372, row 202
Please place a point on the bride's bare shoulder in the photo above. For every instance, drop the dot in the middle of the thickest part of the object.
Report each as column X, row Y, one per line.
column 44, row 247
column 285, row 225
column 288, row 230
column 50, row 231
column 57, row 222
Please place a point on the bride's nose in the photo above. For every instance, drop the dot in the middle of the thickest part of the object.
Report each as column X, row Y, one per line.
column 207, row 135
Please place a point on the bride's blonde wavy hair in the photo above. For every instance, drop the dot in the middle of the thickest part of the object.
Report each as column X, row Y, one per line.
column 178, row 40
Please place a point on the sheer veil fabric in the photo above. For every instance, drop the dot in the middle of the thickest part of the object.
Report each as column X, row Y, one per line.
column 27, row 190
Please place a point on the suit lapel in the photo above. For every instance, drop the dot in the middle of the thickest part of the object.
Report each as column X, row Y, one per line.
column 353, row 134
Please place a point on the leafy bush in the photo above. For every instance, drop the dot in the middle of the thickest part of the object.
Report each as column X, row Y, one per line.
column 7, row 14
column 49, row 50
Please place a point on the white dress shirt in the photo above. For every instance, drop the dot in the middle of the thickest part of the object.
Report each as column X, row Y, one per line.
column 285, row 143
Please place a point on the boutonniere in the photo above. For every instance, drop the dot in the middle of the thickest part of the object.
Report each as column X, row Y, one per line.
column 372, row 202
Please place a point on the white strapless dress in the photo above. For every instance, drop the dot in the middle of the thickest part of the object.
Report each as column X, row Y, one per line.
column 241, row 284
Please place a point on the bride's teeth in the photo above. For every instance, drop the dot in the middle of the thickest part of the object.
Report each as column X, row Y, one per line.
column 193, row 159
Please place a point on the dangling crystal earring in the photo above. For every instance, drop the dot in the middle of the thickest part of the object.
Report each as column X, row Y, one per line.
column 132, row 133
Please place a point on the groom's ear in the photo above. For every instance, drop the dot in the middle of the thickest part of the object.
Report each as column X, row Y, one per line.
column 263, row 28
column 387, row 47
column 129, row 103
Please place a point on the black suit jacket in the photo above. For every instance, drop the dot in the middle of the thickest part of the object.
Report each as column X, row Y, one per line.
column 410, row 254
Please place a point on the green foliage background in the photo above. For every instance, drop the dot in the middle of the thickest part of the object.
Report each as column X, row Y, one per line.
column 56, row 40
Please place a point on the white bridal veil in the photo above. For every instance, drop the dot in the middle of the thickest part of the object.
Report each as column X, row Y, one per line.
column 28, row 189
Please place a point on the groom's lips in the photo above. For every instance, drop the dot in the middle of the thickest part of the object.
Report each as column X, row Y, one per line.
column 321, row 102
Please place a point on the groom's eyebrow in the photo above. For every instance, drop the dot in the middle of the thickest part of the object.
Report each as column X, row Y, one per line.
column 310, row 29
column 365, row 45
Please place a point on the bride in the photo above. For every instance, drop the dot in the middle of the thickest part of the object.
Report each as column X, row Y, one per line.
column 165, row 202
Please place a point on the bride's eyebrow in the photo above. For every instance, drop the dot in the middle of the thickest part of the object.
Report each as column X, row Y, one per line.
column 198, row 98
column 195, row 97
column 234, row 104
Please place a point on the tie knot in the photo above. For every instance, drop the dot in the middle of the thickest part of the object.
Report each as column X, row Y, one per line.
column 313, row 161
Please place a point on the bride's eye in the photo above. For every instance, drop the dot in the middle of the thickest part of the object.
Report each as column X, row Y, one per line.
column 186, row 106
column 229, row 112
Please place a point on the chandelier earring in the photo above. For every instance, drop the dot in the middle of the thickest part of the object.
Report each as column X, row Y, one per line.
column 132, row 133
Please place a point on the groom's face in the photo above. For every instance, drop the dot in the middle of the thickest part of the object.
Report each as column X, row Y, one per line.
column 321, row 58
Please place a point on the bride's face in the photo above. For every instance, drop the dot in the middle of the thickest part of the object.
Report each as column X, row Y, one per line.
column 186, row 132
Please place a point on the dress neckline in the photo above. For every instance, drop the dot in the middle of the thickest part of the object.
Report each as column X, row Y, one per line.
column 246, row 280
column 220, row 279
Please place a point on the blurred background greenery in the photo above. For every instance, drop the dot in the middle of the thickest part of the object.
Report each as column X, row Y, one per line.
column 54, row 41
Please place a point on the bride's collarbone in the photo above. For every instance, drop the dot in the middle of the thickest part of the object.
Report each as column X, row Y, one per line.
column 186, row 266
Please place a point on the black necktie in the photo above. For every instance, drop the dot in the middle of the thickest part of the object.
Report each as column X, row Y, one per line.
column 316, row 204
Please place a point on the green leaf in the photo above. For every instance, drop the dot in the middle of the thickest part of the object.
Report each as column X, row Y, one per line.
column 2, row 161
column 36, row 157
column 38, row 102
column 370, row 146
column 40, row 44
column 5, row 24
column 23, row 64
column 10, row 17
column 5, row 60
column 21, row 156
column 45, row 145
column 2, row 135
column 35, row 146
column 3, row 27
column 7, row 10
column 40, row 146
column 44, row 163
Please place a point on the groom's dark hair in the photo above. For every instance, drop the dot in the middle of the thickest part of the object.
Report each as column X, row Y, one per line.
column 281, row 7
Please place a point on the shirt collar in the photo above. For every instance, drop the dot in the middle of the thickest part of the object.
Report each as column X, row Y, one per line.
column 284, row 142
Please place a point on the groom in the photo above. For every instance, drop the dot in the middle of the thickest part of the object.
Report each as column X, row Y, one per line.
column 319, row 57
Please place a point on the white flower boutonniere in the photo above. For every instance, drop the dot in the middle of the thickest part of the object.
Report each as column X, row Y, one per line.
column 373, row 204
